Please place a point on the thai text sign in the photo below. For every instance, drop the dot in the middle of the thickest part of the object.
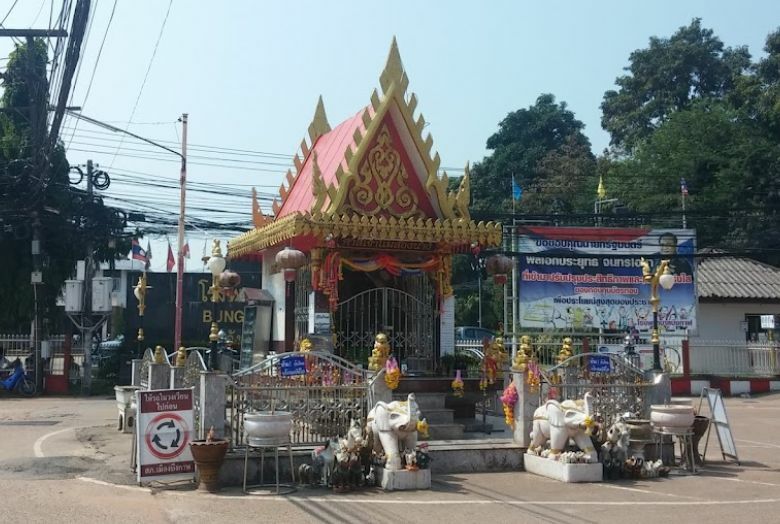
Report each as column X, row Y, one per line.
column 293, row 365
column 590, row 278
column 599, row 364
column 164, row 430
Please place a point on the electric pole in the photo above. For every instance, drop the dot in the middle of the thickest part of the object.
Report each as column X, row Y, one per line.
column 87, row 331
column 180, row 257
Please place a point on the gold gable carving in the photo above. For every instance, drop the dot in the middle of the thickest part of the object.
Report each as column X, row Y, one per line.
column 381, row 184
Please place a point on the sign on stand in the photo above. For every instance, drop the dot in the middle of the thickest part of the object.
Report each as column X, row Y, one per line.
column 164, row 430
column 720, row 420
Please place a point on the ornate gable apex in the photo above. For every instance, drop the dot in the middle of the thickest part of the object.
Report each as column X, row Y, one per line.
column 393, row 104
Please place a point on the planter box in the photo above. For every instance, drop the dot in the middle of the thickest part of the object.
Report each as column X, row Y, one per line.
column 403, row 479
column 561, row 471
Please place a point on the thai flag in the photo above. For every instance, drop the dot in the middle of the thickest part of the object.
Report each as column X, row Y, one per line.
column 683, row 187
column 138, row 252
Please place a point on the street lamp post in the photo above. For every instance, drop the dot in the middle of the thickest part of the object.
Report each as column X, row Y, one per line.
column 216, row 265
column 663, row 276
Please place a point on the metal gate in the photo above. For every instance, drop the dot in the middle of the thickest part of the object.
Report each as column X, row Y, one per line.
column 408, row 320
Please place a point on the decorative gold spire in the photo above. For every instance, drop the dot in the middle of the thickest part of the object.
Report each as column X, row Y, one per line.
column 394, row 70
column 601, row 192
column 319, row 124
column 258, row 218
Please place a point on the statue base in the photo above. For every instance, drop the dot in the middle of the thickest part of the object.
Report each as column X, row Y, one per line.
column 561, row 471
column 403, row 479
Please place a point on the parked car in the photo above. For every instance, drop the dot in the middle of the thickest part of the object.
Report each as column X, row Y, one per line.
column 473, row 333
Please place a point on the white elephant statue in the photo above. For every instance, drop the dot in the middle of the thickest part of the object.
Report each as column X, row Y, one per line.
column 394, row 428
column 560, row 421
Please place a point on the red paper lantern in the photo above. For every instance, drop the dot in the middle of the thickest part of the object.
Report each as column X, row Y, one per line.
column 289, row 260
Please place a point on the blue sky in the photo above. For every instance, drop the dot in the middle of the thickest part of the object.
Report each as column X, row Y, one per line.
column 249, row 74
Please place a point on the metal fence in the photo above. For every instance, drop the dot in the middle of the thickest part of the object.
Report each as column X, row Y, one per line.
column 734, row 358
column 322, row 402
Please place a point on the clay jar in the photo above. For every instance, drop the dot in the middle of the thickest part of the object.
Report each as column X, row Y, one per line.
column 640, row 429
column 208, row 456
column 672, row 418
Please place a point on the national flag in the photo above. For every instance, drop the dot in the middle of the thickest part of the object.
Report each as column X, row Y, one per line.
column 683, row 187
column 517, row 191
column 138, row 253
column 185, row 250
column 148, row 254
column 601, row 191
column 171, row 261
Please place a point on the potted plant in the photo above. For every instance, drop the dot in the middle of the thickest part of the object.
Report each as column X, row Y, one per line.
column 209, row 455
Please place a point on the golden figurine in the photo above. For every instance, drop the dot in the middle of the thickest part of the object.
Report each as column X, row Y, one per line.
column 159, row 355
column 181, row 357
column 565, row 352
column 523, row 354
column 305, row 345
column 380, row 353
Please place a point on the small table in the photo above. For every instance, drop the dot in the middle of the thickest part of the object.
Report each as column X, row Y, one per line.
column 685, row 439
column 262, row 445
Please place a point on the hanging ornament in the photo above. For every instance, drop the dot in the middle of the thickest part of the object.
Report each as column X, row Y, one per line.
column 289, row 260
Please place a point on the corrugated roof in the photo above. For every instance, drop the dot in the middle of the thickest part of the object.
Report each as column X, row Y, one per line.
column 737, row 277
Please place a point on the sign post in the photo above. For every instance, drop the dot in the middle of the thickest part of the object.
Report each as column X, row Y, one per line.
column 720, row 420
column 164, row 430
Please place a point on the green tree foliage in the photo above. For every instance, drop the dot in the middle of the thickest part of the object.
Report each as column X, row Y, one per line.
column 669, row 76
column 34, row 188
column 545, row 150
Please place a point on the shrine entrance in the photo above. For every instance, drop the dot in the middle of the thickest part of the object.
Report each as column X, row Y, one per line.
column 407, row 313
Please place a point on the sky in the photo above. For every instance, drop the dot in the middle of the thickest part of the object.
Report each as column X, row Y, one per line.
column 248, row 73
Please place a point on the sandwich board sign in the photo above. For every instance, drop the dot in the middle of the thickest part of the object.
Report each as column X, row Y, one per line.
column 164, row 430
column 720, row 420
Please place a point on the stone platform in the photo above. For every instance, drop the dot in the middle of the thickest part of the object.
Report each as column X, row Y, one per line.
column 403, row 480
column 564, row 472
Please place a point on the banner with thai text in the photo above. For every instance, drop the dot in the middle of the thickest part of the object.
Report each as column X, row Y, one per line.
column 589, row 278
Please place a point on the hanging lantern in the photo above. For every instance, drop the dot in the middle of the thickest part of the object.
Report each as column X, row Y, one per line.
column 498, row 266
column 289, row 260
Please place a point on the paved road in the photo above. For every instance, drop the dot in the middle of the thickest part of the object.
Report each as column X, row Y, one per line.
column 61, row 460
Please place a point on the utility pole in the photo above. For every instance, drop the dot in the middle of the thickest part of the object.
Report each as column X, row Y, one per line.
column 86, row 382
column 182, row 214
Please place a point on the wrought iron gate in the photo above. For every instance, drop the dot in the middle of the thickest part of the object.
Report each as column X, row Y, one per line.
column 408, row 320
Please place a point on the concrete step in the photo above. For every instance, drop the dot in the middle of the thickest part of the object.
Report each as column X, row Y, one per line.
column 445, row 431
column 468, row 456
column 438, row 416
column 426, row 401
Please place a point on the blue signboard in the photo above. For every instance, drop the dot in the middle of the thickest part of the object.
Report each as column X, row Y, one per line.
column 599, row 364
column 293, row 365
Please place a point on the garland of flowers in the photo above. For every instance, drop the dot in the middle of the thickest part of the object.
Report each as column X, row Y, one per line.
column 509, row 400
column 457, row 385
column 392, row 373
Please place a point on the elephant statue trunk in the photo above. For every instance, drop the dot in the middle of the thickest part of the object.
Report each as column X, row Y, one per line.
column 394, row 428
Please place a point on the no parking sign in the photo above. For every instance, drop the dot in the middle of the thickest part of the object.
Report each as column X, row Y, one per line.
column 165, row 429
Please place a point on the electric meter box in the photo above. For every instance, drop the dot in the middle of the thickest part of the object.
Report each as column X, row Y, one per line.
column 74, row 296
column 101, row 294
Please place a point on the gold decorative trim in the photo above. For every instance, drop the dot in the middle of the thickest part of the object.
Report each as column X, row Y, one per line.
column 321, row 226
column 258, row 218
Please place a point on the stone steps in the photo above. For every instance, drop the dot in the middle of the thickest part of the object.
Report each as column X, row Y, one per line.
column 438, row 416
column 445, row 431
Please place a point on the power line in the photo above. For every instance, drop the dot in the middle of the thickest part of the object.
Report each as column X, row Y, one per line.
column 146, row 76
column 9, row 12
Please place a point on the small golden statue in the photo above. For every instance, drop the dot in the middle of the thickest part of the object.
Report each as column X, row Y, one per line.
column 159, row 355
column 565, row 352
column 305, row 345
column 521, row 358
column 380, row 353
column 181, row 357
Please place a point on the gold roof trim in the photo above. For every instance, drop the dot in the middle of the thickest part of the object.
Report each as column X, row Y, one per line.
column 449, row 231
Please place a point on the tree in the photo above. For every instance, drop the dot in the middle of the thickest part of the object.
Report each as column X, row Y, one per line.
column 544, row 149
column 669, row 76
column 35, row 192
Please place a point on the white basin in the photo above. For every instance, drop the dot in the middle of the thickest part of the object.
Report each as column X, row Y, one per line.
column 266, row 428
column 672, row 418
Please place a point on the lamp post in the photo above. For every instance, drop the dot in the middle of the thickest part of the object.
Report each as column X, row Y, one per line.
column 216, row 265
column 663, row 276
column 140, row 294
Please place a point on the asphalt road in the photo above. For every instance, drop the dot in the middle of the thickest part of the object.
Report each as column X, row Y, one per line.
column 61, row 460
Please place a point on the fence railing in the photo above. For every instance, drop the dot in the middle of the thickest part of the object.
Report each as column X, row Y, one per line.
column 734, row 358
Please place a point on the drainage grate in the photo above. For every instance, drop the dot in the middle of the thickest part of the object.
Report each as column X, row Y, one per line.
column 28, row 422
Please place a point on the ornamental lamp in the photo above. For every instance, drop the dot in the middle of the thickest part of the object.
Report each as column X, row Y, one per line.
column 216, row 262
column 498, row 266
column 666, row 279
column 289, row 260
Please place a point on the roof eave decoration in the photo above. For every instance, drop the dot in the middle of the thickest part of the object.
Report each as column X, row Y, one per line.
column 394, row 83
column 321, row 226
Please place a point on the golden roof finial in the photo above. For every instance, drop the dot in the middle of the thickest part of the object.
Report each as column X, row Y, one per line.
column 319, row 124
column 258, row 218
column 394, row 70
column 601, row 192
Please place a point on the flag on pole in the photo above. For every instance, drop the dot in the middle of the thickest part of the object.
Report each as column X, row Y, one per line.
column 601, row 191
column 138, row 253
column 683, row 187
column 185, row 250
column 171, row 261
column 517, row 191
column 148, row 255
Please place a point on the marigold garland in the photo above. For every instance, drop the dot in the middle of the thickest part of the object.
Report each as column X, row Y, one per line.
column 509, row 400
column 392, row 374
column 457, row 385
